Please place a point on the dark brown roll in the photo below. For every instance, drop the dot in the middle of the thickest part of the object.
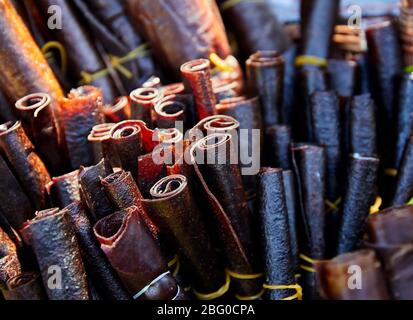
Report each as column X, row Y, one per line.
column 342, row 75
column 198, row 74
column 127, row 139
column 325, row 130
column 6, row 111
column 168, row 111
column 40, row 124
column 65, row 189
column 27, row 71
column 83, row 56
column 25, row 287
column 93, row 192
column 119, row 110
column 404, row 185
column 97, row 265
column 265, row 73
column 362, row 137
column 293, row 212
column 80, row 113
column 180, row 31
column 27, row 165
column 214, row 124
column 278, row 151
column 334, row 277
column 9, row 267
column 57, row 249
column 404, row 128
column 173, row 208
column 273, row 214
column 359, row 197
column 14, row 203
column 134, row 254
column 143, row 101
column 102, row 147
column 255, row 26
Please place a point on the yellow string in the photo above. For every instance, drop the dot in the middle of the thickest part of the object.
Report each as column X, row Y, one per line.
column 308, row 260
column 310, row 60
column 221, row 64
column 214, row 295
column 408, row 69
column 115, row 63
column 333, row 205
column 62, row 51
column 376, row 206
column 391, row 172
column 410, row 202
column 250, row 298
column 231, row 3
column 297, row 296
column 239, row 276
column 175, row 261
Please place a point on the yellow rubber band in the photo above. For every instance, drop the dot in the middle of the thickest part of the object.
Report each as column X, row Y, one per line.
column 297, row 296
column 376, row 206
column 410, row 202
column 333, row 205
column 62, row 51
column 231, row 3
column 239, row 276
column 308, row 260
column 250, row 298
column 214, row 295
column 408, row 69
column 221, row 64
column 175, row 261
column 310, row 60
column 117, row 64
column 390, row 172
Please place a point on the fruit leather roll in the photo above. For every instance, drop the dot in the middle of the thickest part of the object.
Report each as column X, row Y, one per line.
column 97, row 265
column 26, row 71
column 219, row 186
column 361, row 126
column 359, row 197
column 175, row 211
column 119, row 110
column 65, row 189
column 25, row 287
column 293, row 212
column 197, row 73
column 135, row 255
column 6, row 111
column 389, row 234
column 342, row 75
column 404, row 121
column 279, row 268
column 310, row 170
column 214, row 124
column 218, row 163
column 83, row 56
column 14, row 203
column 28, row 167
column 81, row 111
column 143, row 101
column 279, row 140
column 255, row 26
column 56, row 247
column 265, row 74
column 40, row 123
column 335, row 277
column 168, row 111
column 93, row 192
column 180, row 31
column 385, row 59
column 404, row 185
column 122, row 191
column 127, row 139
column 102, row 146
column 325, row 130
column 9, row 267
column 114, row 29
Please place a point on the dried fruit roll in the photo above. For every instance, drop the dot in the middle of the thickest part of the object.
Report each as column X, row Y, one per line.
column 143, row 101
column 404, row 185
column 102, row 147
column 119, row 110
column 26, row 286
column 65, row 189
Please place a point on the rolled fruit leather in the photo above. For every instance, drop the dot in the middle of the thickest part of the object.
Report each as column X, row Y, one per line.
column 277, row 153
column 29, row 168
column 83, row 56
column 334, row 277
column 403, row 191
column 25, row 287
column 102, row 146
column 134, row 254
column 181, row 31
column 65, row 189
column 55, row 245
column 118, row 111
column 27, row 71
column 388, row 232
column 143, row 101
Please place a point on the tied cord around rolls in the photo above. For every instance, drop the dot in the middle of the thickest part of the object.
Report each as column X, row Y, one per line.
column 310, row 60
